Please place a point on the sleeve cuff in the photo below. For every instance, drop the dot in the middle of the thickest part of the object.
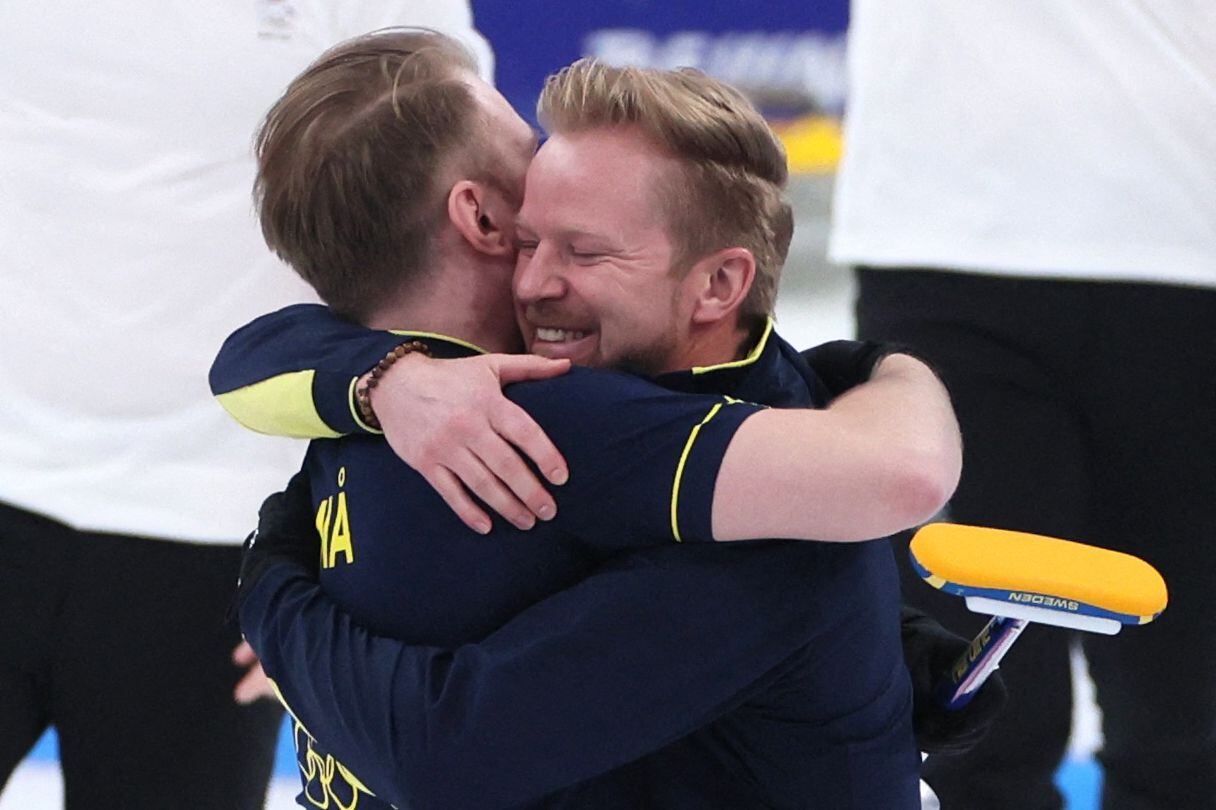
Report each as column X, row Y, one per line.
column 692, row 495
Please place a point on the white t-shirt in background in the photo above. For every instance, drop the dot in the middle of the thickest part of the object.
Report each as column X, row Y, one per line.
column 129, row 248
column 1037, row 138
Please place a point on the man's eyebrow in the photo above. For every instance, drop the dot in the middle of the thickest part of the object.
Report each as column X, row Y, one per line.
column 605, row 242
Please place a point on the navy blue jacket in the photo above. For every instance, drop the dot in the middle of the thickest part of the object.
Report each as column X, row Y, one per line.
column 685, row 674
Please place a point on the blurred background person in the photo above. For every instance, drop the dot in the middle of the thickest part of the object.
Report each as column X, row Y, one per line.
column 1029, row 193
column 130, row 250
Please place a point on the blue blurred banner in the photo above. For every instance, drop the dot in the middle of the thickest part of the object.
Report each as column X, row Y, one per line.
column 788, row 57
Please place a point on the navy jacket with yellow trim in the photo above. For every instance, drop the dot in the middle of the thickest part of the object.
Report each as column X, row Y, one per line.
column 696, row 676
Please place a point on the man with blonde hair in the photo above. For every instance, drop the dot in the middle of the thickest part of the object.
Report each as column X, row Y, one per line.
column 129, row 252
column 686, row 672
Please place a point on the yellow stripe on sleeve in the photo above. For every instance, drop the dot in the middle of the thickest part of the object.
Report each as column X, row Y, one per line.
column 279, row 406
column 675, row 486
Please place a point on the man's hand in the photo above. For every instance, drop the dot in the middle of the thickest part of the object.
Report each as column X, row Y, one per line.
column 285, row 534
column 930, row 650
column 449, row 420
column 254, row 685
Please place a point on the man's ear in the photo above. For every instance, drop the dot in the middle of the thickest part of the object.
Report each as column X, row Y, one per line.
column 482, row 216
column 722, row 280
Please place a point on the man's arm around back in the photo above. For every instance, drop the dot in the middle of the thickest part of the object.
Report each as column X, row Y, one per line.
column 891, row 446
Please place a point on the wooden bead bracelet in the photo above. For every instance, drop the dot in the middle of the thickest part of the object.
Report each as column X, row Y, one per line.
column 363, row 393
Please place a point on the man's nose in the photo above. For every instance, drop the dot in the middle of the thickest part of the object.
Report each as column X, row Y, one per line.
column 539, row 277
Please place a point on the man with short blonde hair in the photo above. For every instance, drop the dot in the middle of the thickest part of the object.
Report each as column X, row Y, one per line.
column 730, row 187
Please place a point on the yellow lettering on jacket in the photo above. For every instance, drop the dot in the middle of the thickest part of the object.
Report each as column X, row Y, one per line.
column 328, row 784
column 333, row 524
column 340, row 540
column 324, row 517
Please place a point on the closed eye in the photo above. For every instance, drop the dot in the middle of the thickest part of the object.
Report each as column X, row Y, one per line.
column 586, row 257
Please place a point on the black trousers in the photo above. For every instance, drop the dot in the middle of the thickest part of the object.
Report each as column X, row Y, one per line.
column 122, row 644
column 1088, row 411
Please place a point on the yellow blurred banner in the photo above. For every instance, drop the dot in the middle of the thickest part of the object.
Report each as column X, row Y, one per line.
column 812, row 144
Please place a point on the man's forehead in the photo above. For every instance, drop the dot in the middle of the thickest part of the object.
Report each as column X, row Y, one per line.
column 596, row 168
column 600, row 147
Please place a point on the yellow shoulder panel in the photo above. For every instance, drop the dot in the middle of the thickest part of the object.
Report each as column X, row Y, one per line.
column 279, row 406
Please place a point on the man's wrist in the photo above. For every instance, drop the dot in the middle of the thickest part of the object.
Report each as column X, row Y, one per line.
column 366, row 385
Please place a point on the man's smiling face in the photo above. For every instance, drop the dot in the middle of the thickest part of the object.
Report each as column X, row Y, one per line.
column 594, row 280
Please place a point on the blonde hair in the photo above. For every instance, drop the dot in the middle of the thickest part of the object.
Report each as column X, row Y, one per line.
column 734, row 171
column 348, row 161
